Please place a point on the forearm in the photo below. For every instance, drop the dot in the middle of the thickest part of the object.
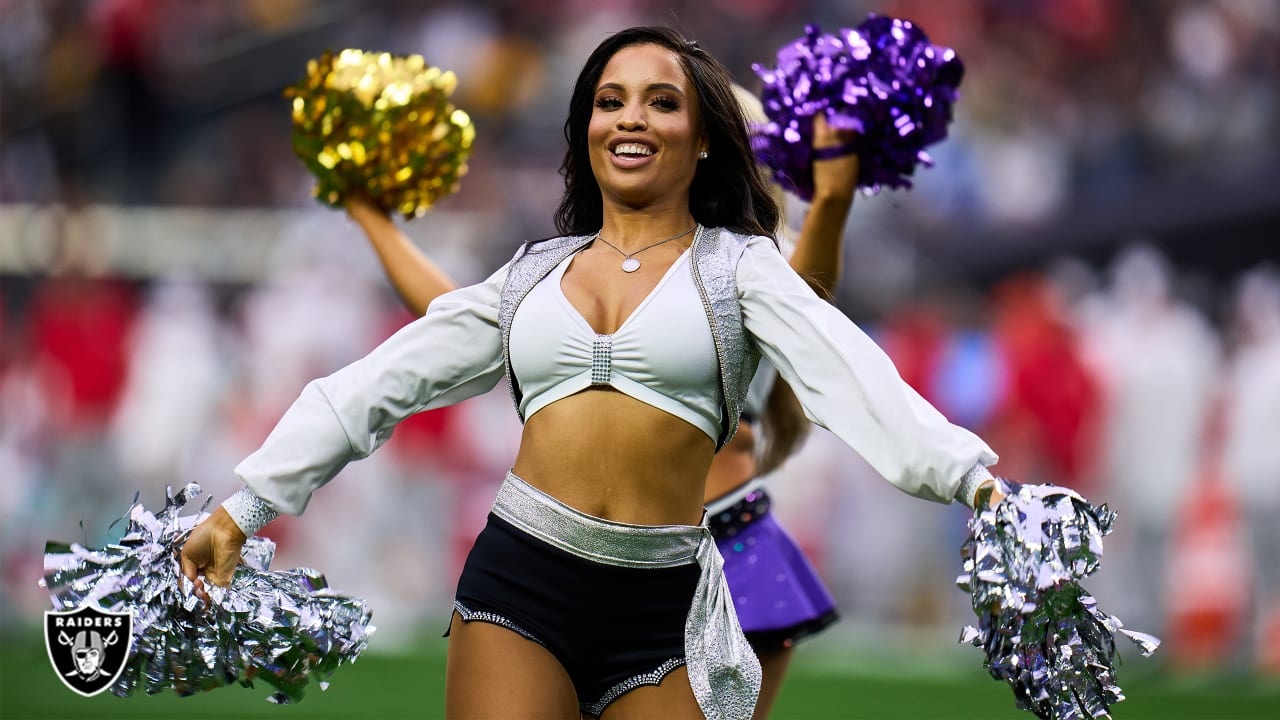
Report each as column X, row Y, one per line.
column 416, row 278
column 819, row 251
column 450, row 354
column 848, row 385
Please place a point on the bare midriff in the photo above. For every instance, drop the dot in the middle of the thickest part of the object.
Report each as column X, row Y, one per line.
column 734, row 465
column 609, row 455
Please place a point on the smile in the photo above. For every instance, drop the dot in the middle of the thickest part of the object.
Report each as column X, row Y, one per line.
column 632, row 150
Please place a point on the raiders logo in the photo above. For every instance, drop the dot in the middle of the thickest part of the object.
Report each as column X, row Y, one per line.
column 88, row 647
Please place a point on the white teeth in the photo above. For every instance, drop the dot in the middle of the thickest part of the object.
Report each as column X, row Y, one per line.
column 632, row 149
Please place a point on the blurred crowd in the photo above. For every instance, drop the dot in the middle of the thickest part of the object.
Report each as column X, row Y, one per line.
column 177, row 102
column 1133, row 380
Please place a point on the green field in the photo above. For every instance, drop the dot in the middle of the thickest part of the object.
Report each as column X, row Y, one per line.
column 821, row 686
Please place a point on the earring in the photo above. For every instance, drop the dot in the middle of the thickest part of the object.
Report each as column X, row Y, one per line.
column 702, row 155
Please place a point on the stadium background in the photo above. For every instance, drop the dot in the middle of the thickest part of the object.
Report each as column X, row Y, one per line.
column 1087, row 278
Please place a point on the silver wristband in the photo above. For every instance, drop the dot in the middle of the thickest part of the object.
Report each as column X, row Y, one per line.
column 250, row 512
column 970, row 483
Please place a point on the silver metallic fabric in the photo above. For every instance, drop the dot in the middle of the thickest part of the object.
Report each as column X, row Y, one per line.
column 723, row 669
column 971, row 481
column 714, row 259
column 653, row 677
column 1039, row 629
column 714, row 263
column 250, row 512
column 602, row 360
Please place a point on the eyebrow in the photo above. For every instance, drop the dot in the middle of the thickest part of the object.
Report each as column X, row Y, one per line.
column 648, row 88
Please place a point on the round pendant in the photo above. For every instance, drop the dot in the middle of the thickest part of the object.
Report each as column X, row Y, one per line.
column 630, row 265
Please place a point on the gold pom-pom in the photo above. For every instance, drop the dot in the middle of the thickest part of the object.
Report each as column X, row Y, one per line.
column 381, row 125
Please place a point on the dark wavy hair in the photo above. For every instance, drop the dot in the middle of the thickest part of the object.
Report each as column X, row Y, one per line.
column 729, row 189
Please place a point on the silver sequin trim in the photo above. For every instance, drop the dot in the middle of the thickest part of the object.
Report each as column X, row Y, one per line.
column 723, row 670
column 715, row 256
column 250, row 512
column 469, row 615
column 602, row 360
column 653, row 677
column 971, row 481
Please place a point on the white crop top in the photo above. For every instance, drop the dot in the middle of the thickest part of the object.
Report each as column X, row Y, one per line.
column 662, row 355
column 844, row 380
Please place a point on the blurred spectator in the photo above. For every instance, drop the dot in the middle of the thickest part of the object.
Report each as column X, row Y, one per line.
column 1069, row 109
column 176, row 372
column 1252, row 455
column 1050, row 409
column 79, row 325
column 1157, row 360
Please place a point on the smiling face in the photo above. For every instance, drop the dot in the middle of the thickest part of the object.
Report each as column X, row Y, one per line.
column 645, row 132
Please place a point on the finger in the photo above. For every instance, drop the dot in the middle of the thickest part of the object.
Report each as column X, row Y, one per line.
column 224, row 571
column 225, row 562
column 189, row 569
column 197, row 589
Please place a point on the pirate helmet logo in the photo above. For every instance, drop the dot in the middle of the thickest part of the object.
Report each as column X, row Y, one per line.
column 88, row 647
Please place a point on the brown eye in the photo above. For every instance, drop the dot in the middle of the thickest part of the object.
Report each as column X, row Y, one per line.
column 608, row 103
column 665, row 103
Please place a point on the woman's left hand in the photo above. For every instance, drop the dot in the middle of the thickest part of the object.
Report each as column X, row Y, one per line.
column 834, row 177
column 992, row 491
column 212, row 552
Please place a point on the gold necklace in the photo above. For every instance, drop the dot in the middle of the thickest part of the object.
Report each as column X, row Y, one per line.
column 629, row 262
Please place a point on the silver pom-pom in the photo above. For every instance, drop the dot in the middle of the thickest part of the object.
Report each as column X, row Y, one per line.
column 279, row 627
column 1039, row 628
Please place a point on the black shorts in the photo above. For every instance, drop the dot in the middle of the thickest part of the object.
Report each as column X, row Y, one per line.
column 612, row 628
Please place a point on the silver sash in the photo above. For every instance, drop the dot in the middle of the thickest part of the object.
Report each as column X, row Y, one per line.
column 723, row 669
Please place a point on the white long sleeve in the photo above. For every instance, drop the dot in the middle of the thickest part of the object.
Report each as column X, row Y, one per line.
column 848, row 385
column 451, row 353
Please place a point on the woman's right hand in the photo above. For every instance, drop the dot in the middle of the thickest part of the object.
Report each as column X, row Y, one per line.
column 212, row 551
column 362, row 210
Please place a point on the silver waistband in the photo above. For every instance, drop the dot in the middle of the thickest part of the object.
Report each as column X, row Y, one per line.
column 593, row 538
column 723, row 669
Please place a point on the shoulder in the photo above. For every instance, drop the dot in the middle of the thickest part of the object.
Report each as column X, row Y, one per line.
column 734, row 237
column 735, row 244
column 759, row 260
column 550, row 244
column 533, row 259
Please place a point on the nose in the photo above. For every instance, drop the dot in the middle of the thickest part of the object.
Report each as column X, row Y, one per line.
column 632, row 117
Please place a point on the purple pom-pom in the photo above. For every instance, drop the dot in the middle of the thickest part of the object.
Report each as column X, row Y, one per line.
column 883, row 80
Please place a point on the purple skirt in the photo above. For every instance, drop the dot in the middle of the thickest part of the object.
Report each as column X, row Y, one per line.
column 778, row 595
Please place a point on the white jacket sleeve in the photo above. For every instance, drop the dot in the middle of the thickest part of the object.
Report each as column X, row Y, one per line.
column 848, row 385
column 451, row 353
